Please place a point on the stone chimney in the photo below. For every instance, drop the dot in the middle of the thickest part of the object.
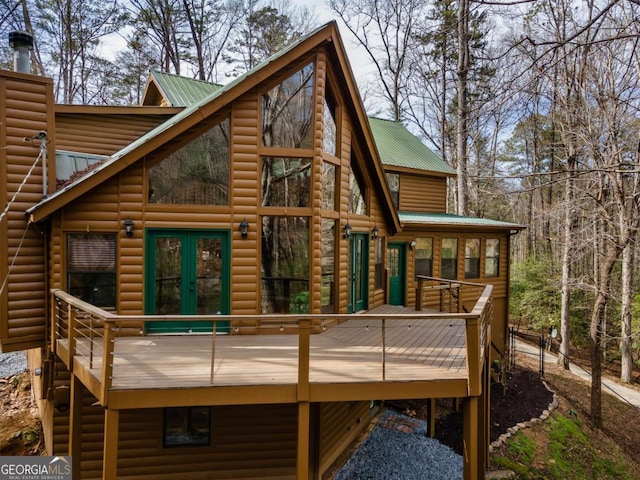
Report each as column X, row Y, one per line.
column 22, row 44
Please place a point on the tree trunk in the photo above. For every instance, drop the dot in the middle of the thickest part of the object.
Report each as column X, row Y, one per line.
column 626, row 317
column 462, row 111
column 603, row 285
column 565, row 317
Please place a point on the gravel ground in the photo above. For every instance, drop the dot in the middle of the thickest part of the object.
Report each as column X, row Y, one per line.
column 392, row 454
column 12, row 363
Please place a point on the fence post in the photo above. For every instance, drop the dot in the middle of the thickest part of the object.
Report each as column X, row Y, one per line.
column 542, row 346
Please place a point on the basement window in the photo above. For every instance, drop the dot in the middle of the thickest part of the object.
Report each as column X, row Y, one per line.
column 184, row 426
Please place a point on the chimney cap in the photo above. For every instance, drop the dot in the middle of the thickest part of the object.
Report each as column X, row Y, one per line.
column 19, row 39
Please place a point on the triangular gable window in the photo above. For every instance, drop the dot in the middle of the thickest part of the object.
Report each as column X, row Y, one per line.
column 197, row 174
column 357, row 203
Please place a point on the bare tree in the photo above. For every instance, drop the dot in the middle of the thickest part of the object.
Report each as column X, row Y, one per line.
column 386, row 31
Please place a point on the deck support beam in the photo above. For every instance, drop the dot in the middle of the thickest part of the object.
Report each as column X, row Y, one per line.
column 304, row 422
column 471, row 433
column 110, row 449
column 75, row 426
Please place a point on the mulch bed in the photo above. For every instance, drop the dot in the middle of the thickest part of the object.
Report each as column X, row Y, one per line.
column 523, row 397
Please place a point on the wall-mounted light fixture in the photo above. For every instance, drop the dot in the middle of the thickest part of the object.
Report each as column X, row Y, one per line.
column 128, row 227
column 413, row 244
column 374, row 232
column 346, row 230
column 244, row 228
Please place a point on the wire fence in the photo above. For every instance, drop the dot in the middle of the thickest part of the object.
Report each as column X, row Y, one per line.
column 539, row 346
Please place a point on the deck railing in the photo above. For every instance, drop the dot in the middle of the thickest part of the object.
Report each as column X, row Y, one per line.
column 87, row 334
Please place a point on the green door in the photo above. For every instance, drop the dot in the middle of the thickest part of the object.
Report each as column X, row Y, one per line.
column 187, row 273
column 396, row 254
column 358, row 272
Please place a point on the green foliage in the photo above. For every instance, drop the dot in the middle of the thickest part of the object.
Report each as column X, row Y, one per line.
column 535, row 293
column 572, row 456
column 521, row 452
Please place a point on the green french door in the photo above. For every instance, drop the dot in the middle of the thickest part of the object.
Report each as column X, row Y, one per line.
column 186, row 273
column 358, row 275
column 396, row 265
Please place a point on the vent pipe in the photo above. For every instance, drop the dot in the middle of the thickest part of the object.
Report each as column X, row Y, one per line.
column 22, row 44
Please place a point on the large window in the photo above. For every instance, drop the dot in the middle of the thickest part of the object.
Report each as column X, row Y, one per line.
column 329, row 126
column 492, row 258
column 287, row 112
column 393, row 180
column 285, row 264
column 328, row 284
column 424, row 257
column 449, row 259
column 286, row 182
column 91, row 268
column 379, row 264
column 357, row 203
column 197, row 174
column 328, row 186
column 187, row 426
column 472, row 258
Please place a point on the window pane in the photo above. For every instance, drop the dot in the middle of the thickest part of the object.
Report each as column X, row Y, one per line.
column 328, row 262
column 328, row 186
column 356, row 195
column 197, row 174
column 287, row 112
column 393, row 180
column 424, row 257
column 285, row 264
column 492, row 260
column 472, row 258
column 449, row 260
column 329, row 130
column 286, row 182
column 91, row 268
column 379, row 277
column 187, row 426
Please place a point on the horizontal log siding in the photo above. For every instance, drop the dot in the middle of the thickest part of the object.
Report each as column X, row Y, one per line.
column 340, row 424
column 423, row 194
column 101, row 134
column 25, row 112
column 245, row 185
column 246, row 443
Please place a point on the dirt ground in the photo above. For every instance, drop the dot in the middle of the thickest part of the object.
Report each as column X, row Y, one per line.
column 20, row 429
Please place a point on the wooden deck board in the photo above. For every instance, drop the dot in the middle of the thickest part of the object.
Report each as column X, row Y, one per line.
column 350, row 352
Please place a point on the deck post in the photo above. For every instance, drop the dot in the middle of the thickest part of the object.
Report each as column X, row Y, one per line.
column 110, row 448
column 75, row 426
column 71, row 335
column 107, row 362
column 473, row 356
column 431, row 414
column 471, row 457
column 302, row 463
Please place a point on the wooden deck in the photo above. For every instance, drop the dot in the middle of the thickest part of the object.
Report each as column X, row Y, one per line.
column 351, row 352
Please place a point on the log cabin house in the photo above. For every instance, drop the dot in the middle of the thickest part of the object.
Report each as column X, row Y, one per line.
column 225, row 281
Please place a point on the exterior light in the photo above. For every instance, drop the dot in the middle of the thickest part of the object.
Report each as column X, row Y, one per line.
column 244, row 228
column 128, row 227
column 374, row 232
column 346, row 230
column 413, row 244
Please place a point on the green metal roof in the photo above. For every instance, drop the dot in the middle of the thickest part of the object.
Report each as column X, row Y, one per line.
column 446, row 219
column 182, row 91
column 398, row 147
